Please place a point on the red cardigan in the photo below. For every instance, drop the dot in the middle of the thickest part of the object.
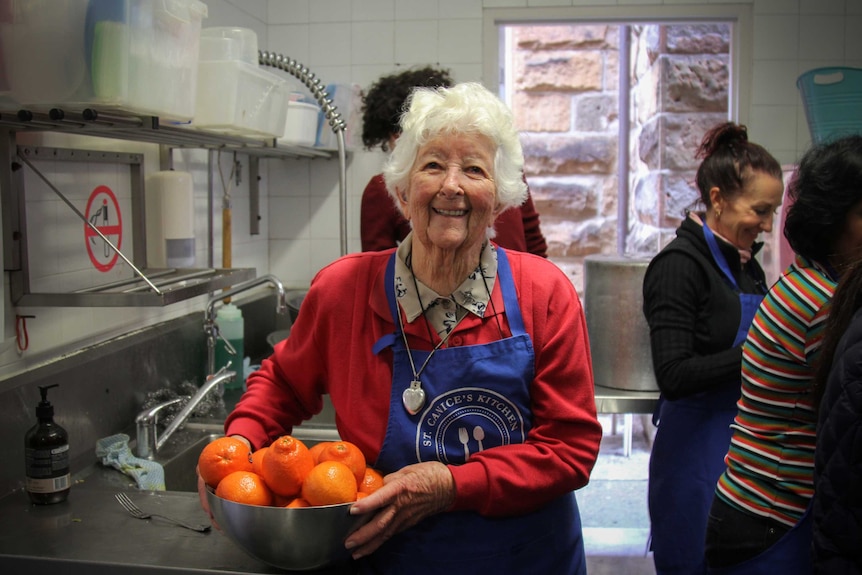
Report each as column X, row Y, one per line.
column 329, row 352
column 381, row 225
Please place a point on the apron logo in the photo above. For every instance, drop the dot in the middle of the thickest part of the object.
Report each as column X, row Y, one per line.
column 466, row 421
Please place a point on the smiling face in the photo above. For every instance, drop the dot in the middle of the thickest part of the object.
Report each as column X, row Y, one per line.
column 743, row 217
column 452, row 196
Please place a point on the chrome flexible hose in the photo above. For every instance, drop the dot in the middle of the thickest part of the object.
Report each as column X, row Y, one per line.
column 336, row 123
column 310, row 81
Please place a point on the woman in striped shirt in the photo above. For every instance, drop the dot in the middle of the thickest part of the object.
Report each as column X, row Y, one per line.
column 759, row 521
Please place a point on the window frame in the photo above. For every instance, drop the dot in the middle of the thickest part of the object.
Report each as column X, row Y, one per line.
column 738, row 15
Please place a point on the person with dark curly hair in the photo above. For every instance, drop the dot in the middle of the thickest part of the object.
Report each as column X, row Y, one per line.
column 381, row 225
column 760, row 520
column 700, row 295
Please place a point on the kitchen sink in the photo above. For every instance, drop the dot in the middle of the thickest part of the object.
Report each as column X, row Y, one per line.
column 179, row 464
column 179, row 458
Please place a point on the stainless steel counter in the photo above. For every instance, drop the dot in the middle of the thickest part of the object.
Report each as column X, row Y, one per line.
column 611, row 400
column 90, row 534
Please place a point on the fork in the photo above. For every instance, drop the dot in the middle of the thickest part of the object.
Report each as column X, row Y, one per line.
column 137, row 512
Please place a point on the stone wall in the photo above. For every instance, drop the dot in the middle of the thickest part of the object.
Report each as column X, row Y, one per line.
column 565, row 88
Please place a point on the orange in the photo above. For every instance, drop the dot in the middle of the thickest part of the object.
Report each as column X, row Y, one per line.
column 281, row 500
column 257, row 459
column 286, row 464
column 348, row 454
column 298, row 502
column 360, row 495
column 372, row 481
column 221, row 457
column 317, row 448
column 330, row 482
column 244, row 487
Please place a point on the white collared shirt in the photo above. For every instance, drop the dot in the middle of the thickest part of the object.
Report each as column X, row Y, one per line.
column 443, row 312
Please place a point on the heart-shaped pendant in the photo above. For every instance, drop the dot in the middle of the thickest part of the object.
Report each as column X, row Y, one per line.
column 413, row 397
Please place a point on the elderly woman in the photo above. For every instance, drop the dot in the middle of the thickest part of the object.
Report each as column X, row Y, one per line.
column 382, row 225
column 461, row 370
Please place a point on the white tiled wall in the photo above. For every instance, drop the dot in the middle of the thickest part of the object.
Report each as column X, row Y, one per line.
column 355, row 41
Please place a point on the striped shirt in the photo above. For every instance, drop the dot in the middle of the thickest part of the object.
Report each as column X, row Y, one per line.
column 770, row 462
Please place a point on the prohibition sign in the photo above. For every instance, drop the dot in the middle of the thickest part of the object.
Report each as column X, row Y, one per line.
column 100, row 218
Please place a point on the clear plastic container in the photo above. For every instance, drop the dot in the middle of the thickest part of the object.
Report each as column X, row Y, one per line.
column 138, row 56
column 239, row 98
column 229, row 43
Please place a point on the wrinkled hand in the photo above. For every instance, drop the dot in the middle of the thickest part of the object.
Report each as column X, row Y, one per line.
column 407, row 496
column 202, row 495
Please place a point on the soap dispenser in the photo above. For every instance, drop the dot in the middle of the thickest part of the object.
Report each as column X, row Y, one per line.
column 46, row 455
column 231, row 327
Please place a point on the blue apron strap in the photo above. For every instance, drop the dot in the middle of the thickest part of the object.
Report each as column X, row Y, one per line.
column 719, row 258
column 510, row 295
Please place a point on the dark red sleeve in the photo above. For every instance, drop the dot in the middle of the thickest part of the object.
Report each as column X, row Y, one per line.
column 518, row 229
column 381, row 225
column 536, row 243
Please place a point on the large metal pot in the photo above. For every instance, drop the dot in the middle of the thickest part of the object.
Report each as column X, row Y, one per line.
column 619, row 335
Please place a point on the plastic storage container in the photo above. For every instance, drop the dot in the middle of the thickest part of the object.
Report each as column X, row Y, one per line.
column 234, row 95
column 229, row 43
column 138, row 56
column 833, row 101
column 231, row 327
column 300, row 129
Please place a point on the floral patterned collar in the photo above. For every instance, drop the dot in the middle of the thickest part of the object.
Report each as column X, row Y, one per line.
column 443, row 312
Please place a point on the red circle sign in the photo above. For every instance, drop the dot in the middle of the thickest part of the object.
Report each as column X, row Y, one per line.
column 101, row 254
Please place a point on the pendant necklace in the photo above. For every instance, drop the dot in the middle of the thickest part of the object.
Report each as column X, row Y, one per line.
column 413, row 397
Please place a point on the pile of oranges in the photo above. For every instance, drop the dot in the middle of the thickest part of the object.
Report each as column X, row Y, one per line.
column 287, row 473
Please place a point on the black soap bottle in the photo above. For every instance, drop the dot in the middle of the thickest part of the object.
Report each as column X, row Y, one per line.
column 46, row 455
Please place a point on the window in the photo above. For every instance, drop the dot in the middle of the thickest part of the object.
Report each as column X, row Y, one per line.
column 600, row 188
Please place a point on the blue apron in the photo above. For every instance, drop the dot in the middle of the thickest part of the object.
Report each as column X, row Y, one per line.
column 479, row 398
column 688, row 456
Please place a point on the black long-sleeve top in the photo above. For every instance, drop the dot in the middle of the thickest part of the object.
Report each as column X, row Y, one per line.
column 693, row 313
column 838, row 461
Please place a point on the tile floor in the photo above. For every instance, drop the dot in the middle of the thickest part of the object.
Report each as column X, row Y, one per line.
column 614, row 504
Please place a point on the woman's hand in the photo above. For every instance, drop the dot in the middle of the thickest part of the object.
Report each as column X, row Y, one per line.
column 407, row 496
column 202, row 494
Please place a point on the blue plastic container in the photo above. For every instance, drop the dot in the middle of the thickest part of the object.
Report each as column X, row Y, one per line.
column 833, row 101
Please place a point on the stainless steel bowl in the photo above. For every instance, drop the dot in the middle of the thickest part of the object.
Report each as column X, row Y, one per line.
column 277, row 336
column 294, row 298
column 298, row 539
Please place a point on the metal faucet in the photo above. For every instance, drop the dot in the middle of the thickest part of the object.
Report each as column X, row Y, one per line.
column 211, row 327
column 148, row 443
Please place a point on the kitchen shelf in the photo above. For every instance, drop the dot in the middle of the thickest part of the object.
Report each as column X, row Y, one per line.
column 120, row 126
column 175, row 285
column 157, row 287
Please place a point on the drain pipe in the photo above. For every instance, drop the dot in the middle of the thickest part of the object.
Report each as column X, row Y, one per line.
column 623, row 139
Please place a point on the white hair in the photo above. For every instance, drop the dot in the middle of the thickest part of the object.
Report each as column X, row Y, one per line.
column 467, row 108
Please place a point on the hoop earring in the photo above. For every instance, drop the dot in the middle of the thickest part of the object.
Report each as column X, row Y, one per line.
column 717, row 214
